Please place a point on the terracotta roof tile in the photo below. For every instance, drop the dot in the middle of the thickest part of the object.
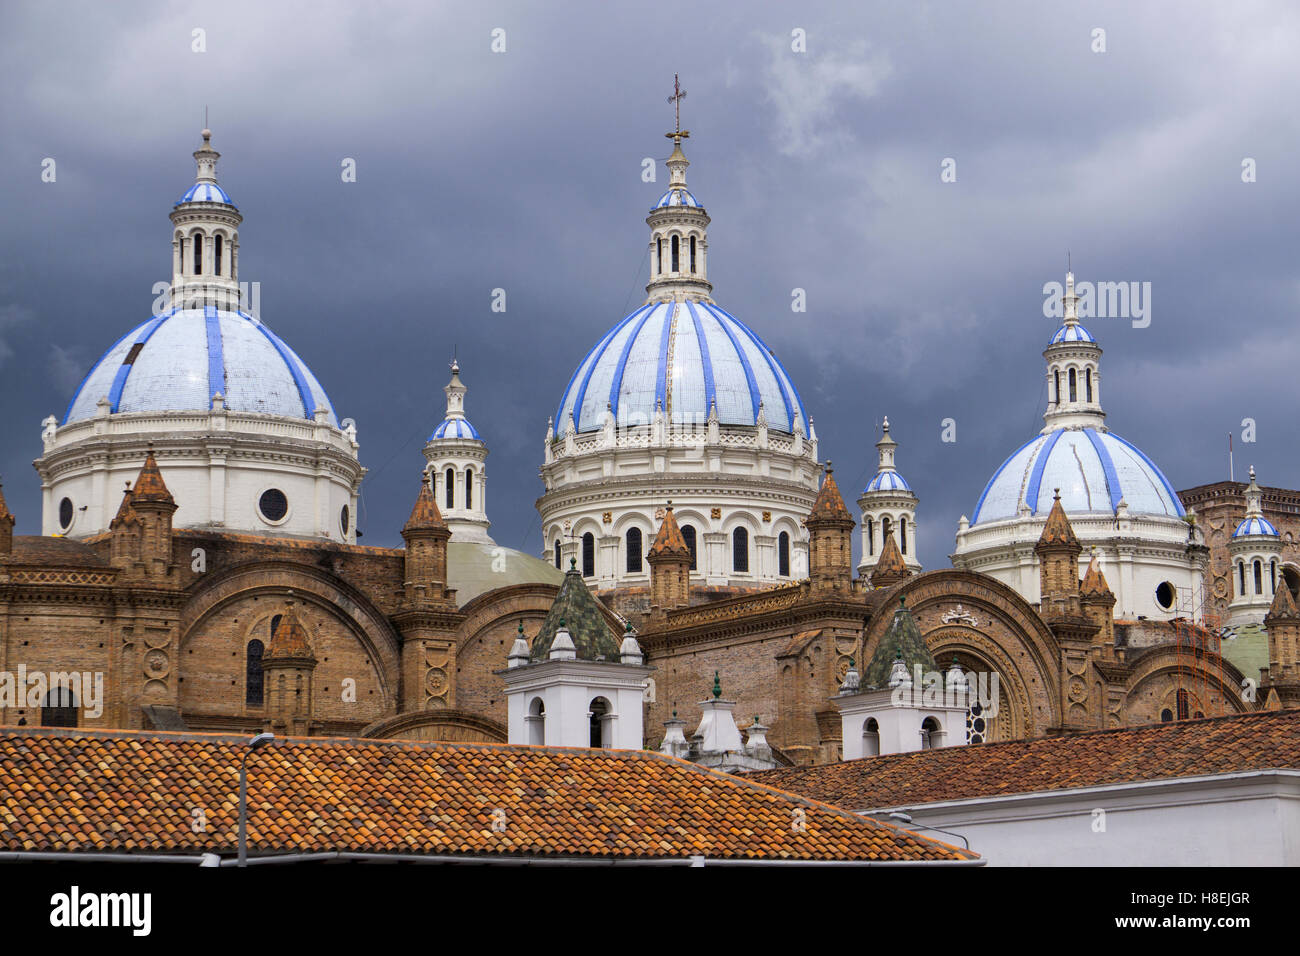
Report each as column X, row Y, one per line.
column 891, row 568
column 829, row 505
column 1186, row 748
column 1057, row 529
column 289, row 640
column 1094, row 582
column 149, row 484
column 1283, row 605
column 669, row 542
column 123, row 791
column 425, row 516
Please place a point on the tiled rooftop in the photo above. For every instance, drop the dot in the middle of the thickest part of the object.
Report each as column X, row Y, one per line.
column 1265, row 740
column 130, row 791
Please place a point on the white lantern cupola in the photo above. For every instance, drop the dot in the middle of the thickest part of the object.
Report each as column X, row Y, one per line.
column 456, row 457
column 205, row 240
column 887, row 504
column 678, row 229
column 1255, row 550
column 1073, row 371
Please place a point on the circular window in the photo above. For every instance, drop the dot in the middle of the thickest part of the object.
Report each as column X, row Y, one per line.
column 1165, row 594
column 344, row 517
column 65, row 514
column 273, row 505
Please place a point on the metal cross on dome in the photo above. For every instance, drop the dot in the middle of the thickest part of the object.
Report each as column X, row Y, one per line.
column 679, row 94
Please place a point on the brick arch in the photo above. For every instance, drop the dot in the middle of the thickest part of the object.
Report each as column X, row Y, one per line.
column 1158, row 673
column 484, row 637
column 1008, row 636
column 372, row 630
column 443, row 725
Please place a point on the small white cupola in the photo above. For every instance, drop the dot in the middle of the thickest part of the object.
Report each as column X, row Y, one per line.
column 455, row 457
column 1255, row 550
column 887, row 505
column 1073, row 371
column 205, row 240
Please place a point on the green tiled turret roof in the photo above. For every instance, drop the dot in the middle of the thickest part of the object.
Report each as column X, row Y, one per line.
column 903, row 639
column 578, row 610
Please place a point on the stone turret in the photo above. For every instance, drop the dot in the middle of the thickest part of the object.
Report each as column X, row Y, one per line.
column 6, row 526
column 1058, row 564
column 289, row 664
column 1281, row 681
column 830, row 538
column 890, row 569
column 426, row 536
column 142, row 529
column 670, row 566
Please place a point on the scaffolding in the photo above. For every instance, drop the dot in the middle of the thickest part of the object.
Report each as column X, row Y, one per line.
column 1198, row 631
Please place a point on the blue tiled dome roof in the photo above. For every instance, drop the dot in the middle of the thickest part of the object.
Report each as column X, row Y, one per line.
column 1094, row 470
column 887, row 480
column 177, row 360
column 1071, row 333
column 714, row 358
column 206, row 192
column 455, row 428
column 678, row 196
column 1255, row 526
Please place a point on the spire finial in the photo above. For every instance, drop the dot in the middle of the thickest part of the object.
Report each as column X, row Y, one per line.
column 717, row 686
column 679, row 94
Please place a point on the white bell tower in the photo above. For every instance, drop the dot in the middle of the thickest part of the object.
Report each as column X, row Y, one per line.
column 456, row 468
column 887, row 504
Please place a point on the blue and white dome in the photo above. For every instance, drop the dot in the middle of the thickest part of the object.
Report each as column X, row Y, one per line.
column 455, row 428
column 887, row 481
column 177, row 360
column 1094, row 469
column 684, row 357
column 1071, row 332
column 206, row 192
column 678, row 196
column 1255, row 525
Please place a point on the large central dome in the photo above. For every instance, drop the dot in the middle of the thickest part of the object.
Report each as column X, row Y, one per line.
column 684, row 357
column 177, row 361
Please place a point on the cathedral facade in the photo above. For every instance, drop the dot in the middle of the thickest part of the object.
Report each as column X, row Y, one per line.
column 223, row 588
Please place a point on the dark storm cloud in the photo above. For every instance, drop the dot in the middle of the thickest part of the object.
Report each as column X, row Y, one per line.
column 521, row 171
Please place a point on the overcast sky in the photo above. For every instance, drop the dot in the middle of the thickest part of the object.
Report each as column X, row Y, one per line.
column 821, row 169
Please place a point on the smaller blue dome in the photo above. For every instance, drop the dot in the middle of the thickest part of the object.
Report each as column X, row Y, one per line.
column 887, row 481
column 1071, row 333
column 678, row 196
column 1255, row 526
column 455, row 428
column 206, row 192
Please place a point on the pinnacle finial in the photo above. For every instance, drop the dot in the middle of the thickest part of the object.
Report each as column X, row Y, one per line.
column 717, row 686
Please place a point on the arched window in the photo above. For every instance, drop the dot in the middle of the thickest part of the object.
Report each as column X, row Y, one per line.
column 675, row 253
column 740, row 550
column 633, row 550
column 469, row 488
column 884, row 530
column 536, row 721
column 929, row 734
column 557, row 552
column 783, row 554
column 1272, row 576
column 601, row 724
column 1166, row 715
column 1074, row 387
column 198, row 254
column 871, row 738
column 902, row 535
column 1184, row 711
column 692, row 253
column 588, row 555
column 1259, row 576
column 253, row 680
column 59, row 707
column 688, row 533
column 1057, row 373
column 1241, row 579
column 660, row 244
column 1087, row 383
column 216, row 253
column 450, row 484
column 871, row 536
